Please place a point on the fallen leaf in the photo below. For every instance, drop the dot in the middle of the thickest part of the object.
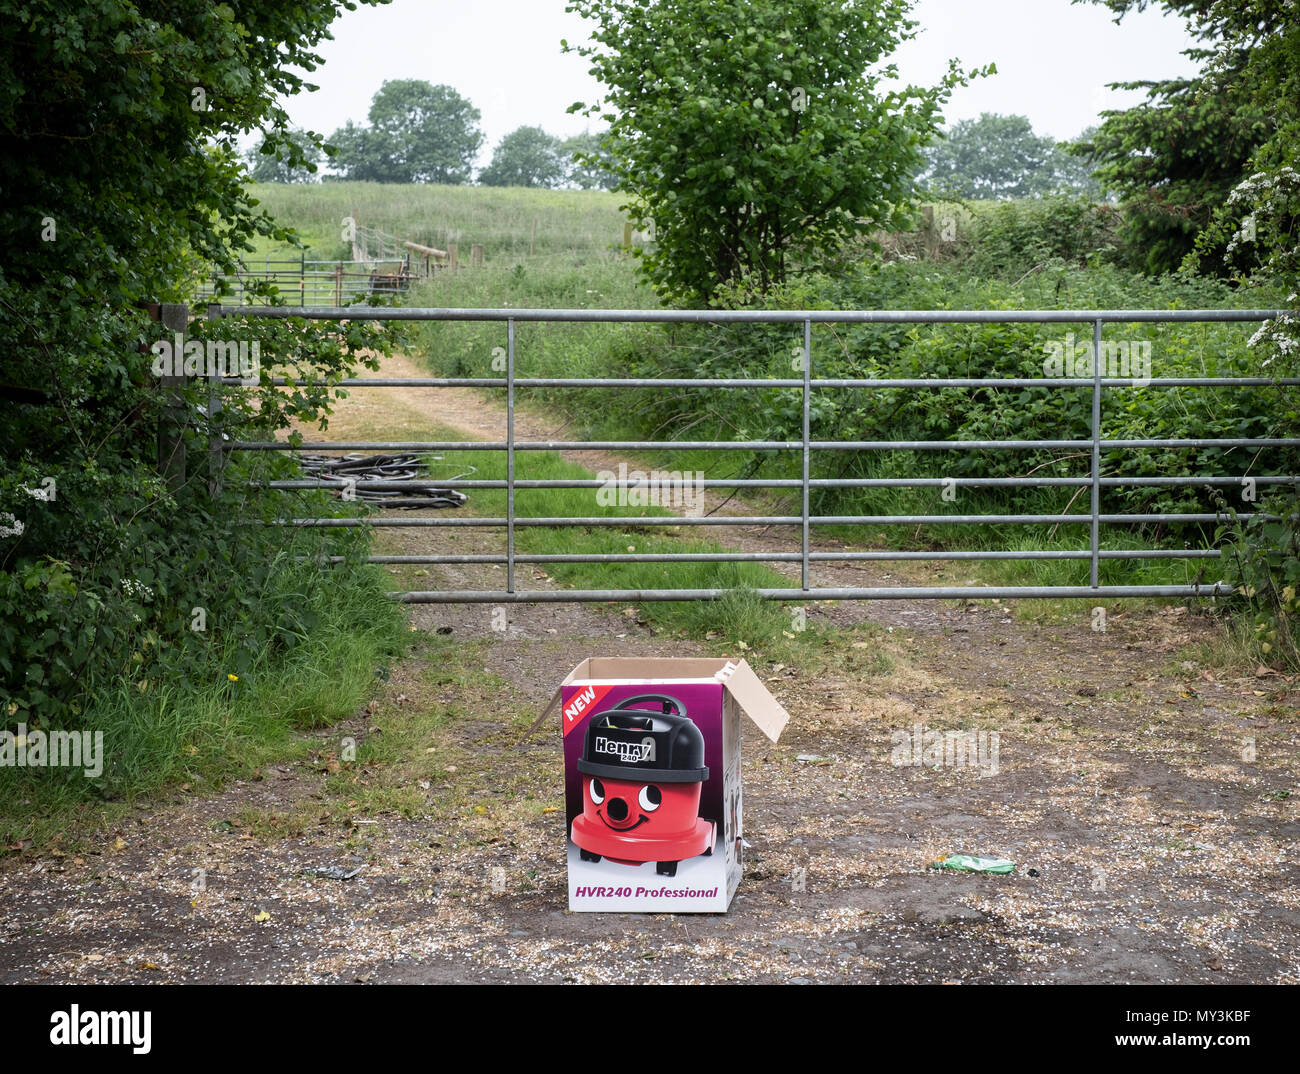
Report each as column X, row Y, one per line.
column 262, row 916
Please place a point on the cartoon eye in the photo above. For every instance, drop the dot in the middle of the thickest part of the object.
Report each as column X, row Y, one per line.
column 650, row 797
column 597, row 791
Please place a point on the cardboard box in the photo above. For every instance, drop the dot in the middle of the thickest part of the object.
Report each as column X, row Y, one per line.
column 652, row 780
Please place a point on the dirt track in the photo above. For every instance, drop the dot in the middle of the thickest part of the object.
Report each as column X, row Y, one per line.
column 1149, row 848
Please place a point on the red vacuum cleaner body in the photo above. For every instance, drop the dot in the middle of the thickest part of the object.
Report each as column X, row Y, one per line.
column 642, row 773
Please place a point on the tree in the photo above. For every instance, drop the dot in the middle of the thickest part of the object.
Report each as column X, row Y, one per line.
column 123, row 181
column 590, row 162
column 1173, row 159
column 750, row 133
column 1074, row 173
column 361, row 155
column 293, row 159
column 418, row 133
column 999, row 156
column 527, row 156
column 1247, row 94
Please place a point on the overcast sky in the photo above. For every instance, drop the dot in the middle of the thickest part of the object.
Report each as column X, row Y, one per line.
column 1054, row 59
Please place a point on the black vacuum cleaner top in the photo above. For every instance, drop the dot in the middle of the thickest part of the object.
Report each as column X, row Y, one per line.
column 632, row 744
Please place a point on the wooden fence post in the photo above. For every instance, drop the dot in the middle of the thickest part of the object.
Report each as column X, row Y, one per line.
column 452, row 251
column 627, row 234
column 175, row 317
column 216, row 455
column 476, row 255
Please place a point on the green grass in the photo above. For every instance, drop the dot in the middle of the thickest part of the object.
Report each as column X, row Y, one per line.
column 765, row 626
column 510, row 223
column 159, row 735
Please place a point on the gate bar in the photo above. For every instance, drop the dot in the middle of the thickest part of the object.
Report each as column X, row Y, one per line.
column 664, row 316
column 807, row 439
column 632, row 596
column 633, row 522
column 1095, row 534
column 510, row 455
column 307, row 484
column 838, row 382
column 783, row 557
column 749, row 445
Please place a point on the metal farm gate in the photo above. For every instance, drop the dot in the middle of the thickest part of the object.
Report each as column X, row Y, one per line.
column 1097, row 384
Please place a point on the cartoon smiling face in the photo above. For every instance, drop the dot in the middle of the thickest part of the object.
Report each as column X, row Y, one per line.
column 624, row 805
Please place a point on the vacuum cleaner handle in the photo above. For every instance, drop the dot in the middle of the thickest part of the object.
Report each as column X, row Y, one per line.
column 678, row 708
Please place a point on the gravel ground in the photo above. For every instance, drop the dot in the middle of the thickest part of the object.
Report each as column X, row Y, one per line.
column 1148, row 801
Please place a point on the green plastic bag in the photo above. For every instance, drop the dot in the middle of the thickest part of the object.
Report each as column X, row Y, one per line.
column 969, row 863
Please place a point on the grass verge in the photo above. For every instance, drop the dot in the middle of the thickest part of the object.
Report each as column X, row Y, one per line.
column 195, row 736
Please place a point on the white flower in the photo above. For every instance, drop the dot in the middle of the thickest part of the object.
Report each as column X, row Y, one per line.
column 136, row 589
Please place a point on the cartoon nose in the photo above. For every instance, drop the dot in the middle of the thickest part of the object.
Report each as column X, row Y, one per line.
column 617, row 809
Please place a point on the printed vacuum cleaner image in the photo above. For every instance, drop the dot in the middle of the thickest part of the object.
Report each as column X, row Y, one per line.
column 642, row 773
column 652, row 770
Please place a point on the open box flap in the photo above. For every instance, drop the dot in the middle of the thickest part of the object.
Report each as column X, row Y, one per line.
column 755, row 700
column 737, row 678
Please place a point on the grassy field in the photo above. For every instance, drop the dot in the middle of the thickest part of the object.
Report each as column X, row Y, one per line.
column 509, row 223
